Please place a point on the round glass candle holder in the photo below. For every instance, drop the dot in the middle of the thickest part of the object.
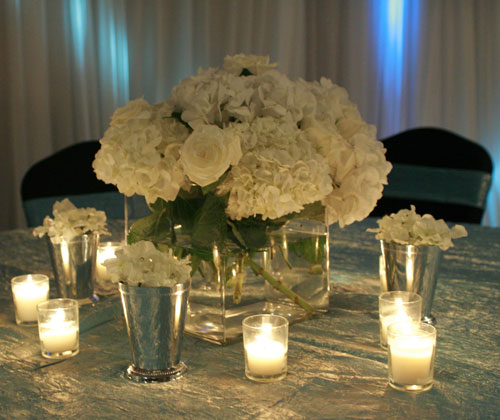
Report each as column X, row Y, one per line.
column 58, row 327
column 105, row 251
column 265, row 339
column 411, row 352
column 27, row 292
column 397, row 306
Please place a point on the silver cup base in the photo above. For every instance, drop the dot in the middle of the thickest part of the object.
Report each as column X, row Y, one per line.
column 147, row 376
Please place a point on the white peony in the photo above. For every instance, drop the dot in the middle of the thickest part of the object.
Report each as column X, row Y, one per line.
column 208, row 152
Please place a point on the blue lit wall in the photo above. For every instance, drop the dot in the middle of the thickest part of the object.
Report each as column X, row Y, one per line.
column 78, row 19
column 108, row 42
column 113, row 52
column 392, row 21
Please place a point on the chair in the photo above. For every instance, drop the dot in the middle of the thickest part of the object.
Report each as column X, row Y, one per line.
column 438, row 171
column 68, row 173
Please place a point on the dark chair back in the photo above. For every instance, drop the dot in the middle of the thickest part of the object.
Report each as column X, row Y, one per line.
column 438, row 171
column 68, row 173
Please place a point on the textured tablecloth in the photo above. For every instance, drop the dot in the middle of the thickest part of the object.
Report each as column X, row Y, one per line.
column 336, row 367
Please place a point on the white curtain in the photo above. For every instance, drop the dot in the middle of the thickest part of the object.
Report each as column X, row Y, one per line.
column 67, row 64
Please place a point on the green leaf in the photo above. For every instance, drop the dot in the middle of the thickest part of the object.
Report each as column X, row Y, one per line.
column 210, row 223
column 312, row 250
column 246, row 72
column 183, row 211
column 195, row 263
column 178, row 117
column 251, row 233
column 158, row 205
column 314, row 211
column 237, row 235
column 155, row 228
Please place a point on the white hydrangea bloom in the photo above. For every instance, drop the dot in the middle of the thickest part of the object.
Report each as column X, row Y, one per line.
column 275, row 95
column 140, row 154
column 358, row 169
column 278, row 174
column 255, row 64
column 406, row 227
column 141, row 264
column 70, row 221
column 299, row 142
column 199, row 99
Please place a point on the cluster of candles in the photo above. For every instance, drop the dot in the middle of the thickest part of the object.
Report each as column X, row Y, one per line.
column 410, row 343
column 57, row 319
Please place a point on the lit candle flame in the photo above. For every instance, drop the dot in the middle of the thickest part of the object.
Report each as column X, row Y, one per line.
column 106, row 253
column 266, row 329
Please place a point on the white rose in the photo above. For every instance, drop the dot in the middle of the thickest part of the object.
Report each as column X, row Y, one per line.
column 208, row 152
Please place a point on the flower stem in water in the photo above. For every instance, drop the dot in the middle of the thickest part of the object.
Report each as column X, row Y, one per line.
column 294, row 297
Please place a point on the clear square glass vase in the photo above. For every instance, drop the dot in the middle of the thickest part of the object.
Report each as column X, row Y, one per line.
column 234, row 285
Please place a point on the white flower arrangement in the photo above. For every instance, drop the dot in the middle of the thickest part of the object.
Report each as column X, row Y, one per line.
column 406, row 227
column 141, row 264
column 70, row 221
column 270, row 145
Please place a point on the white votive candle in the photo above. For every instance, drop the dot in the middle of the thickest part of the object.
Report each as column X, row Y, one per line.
column 265, row 357
column 105, row 252
column 265, row 340
column 59, row 338
column 400, row 317
column 58, row 328
column 397, row 306
column 411, row 356
column 27, row 292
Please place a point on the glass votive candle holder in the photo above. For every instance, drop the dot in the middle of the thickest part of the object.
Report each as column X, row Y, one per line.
column 411, row 352
column 382, row 274
column 265, row 339
column 27, row 292
column 397, row 306
column 105, row 251
column 58, row 327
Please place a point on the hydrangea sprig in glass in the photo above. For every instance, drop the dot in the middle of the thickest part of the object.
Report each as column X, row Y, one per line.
column 411, row 246
column 69, row 221
column 236, row 153
column 154, row 287
column 406, row 227
column 143, row 265
column 73, row 237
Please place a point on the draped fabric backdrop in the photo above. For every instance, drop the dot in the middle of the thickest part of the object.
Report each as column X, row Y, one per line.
column 66, row 65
